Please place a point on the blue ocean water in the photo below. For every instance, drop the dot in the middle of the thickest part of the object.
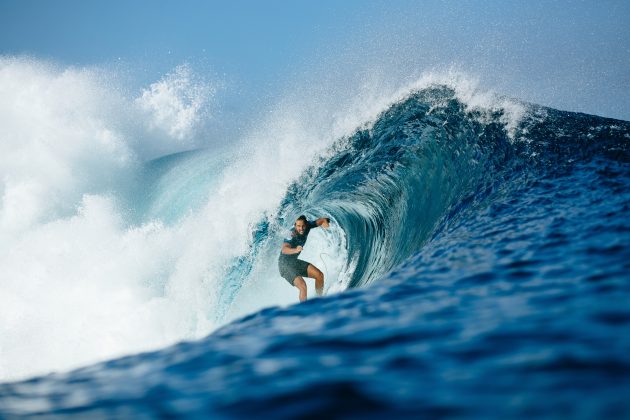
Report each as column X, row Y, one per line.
column 490, row 279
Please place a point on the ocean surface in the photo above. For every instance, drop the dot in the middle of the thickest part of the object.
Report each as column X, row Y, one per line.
column 477, row 265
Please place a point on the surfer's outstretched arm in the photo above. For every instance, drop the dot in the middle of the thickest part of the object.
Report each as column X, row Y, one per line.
column 323, row 222
column 286, row 249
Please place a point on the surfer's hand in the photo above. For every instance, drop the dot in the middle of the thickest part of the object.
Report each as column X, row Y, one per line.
column 298, row 249
column 326, row 223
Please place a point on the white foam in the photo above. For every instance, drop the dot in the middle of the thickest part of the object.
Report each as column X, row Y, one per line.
column 176, row 104
column 78, row 291
column 56, row 142
column 69, row 131
column 79, row 284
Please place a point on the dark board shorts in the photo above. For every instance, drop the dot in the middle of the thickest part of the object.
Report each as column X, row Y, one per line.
column 291, row 268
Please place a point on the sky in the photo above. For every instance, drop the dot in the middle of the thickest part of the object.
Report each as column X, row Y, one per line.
column 572, row 55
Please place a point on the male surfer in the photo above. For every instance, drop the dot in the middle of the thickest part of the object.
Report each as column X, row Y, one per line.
column 293, row 269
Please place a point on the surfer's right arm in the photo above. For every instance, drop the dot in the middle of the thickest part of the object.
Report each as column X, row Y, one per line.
column 286, row 249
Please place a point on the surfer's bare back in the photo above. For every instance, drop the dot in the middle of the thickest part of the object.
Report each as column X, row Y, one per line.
column 293, row 269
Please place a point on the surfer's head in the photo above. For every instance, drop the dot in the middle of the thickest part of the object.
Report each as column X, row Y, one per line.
column 300, row 225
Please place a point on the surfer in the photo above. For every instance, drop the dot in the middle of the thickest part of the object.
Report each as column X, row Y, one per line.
column 293, row 269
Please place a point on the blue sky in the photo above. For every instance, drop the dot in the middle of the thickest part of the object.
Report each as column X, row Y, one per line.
column 571, row 55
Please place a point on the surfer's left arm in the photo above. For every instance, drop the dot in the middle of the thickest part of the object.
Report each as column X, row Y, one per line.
column 323, row 222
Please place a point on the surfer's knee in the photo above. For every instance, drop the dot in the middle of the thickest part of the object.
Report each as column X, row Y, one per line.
column 299, row 283
column 319, row 280
column 315, row 273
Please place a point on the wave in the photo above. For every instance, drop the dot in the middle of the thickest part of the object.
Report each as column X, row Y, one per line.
column 118, row 238
column 496, row 245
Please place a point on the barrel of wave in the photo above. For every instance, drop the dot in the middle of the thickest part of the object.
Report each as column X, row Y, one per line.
column 264, row 287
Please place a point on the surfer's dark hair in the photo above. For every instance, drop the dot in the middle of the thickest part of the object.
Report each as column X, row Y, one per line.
column 302, row 217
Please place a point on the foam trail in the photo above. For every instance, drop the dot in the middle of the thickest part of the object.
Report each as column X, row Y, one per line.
column 79, row 282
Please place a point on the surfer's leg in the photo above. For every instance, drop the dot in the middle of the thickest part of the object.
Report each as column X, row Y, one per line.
column 314, row 273
column 300, row 284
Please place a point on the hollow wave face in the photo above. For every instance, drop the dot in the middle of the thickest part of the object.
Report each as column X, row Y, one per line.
column 391, row 184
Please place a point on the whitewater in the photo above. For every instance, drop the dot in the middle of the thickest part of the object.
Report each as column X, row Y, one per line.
column 476, row 262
